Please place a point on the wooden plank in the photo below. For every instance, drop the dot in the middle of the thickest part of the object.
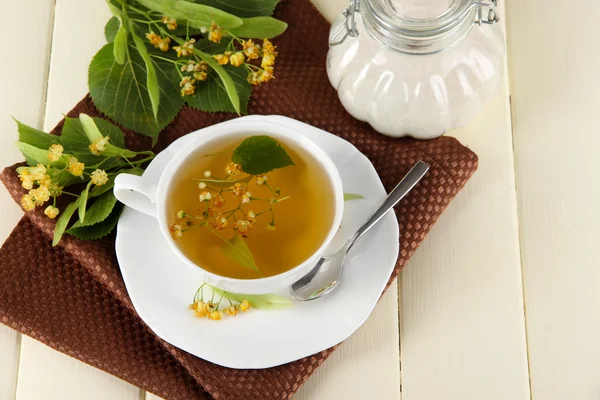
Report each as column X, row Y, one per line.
column 23, row 83
column 554, row 64
column 43, row 372
column 462, row 332
column 366, row 365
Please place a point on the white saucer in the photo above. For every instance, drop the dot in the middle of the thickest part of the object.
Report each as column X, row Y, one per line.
column 161, row 286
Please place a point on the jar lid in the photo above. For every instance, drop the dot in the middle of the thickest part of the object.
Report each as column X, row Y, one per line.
column 417, row 26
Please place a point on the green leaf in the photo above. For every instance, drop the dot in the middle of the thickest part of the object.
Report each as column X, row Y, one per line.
column 74, row 139
column 353, row 196
column 212, row 96
column 223, row 183
column 120, row 45
column 120, row 92
column 261, row 154
column 238, row 251
column 198, row 15
column 36, row 156
column 260, row 27
column 229, row 85
column 267, row 301
column 100, row 229
column 83, row 201
column 111, row 28
column 243, row 8
column 35, row 137
column 63, row 220
column 98, row 212
column 151, row 77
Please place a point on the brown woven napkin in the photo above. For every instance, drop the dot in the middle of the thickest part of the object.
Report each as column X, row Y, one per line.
column 73, row 298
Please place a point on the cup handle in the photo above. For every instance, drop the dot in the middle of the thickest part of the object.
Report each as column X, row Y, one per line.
column 132, row 191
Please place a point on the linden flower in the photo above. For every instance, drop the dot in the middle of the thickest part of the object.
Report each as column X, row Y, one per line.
column 171, row 23
column 251, row 49
column 99, row 177
column 27, row 202
column 243, row 226
column 202, row 185
column 246, row 198
column 232, row 310
column 260, row 180
column 55, row 152
column 37, row 173
column 177, row 231
column 47, row 181
column 251, row 216
column 254, row 78
column 238, row 189
column 200, row 309
column 245, row 305
column 207, row 174
column 205, row 196
column 220, row 222
column 266, row 75
column 268, row 60
column 26, row 179
column 268, row 47
column 159, row 42
column 51, row 212
column 218, row 202
column 181, row 214
column 215, row 315
column 222, row 59
column 189, row 67
column 40, row 195
column 215, row 33
column 186, row 49
column 233, row 169
column 187, row 86
column 237, row 59
column 74, row 167
column 271, row 227
column 99, row 145
column 200, row 75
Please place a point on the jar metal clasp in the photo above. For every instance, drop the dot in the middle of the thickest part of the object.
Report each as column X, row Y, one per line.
column 349, row 26
column 492, row 15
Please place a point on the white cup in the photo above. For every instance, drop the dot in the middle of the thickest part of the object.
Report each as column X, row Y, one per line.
column 149, row 196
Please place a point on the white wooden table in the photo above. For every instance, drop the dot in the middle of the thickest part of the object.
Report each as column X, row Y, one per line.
column 502, row 300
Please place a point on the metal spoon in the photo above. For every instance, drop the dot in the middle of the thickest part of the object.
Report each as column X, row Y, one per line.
column 327, row 273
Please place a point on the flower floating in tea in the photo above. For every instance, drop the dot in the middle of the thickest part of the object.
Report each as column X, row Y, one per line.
column 219, row 303
column 233, row 220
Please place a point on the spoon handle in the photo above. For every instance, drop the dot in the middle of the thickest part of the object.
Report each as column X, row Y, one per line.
column 406, row 184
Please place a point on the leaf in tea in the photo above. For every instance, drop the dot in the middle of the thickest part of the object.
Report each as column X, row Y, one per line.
column 261, row 154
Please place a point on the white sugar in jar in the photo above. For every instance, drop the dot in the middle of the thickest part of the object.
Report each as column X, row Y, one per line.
column 416, row 67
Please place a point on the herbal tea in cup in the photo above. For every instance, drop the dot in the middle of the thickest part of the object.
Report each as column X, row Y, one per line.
column 251, row 207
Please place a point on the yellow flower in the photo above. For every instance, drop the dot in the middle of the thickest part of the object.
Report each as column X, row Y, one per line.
column 74, row 166
column 40, row 195
column 37, row 172
column 99, row 145
column 268, row 47
column 251, row 216
column 233, row 169
column 177, row 231
column 207, row 174
column 260, row 180
column 159, row 42
column 187, row 86
column 51, row 212
column 55, row 152
column 215, row 33
column 181, row 214
column 186, row 49
column 205, row 196
column 268, row 60
column 266, row 74
column 222, row 59
column 232, row 310
column 189, row 67
column 246, row 198
column 245, row 305
column 202, row 185
column 200, row 309
column 271, row 227
column 99, row 177
column 171, row 23
column 237, row 59
column 200, row 75
column 243, row 226
column 254, row 78
column 251, row 49
column 218, row 202
column 26, row 179
column 238, row 189
column 215, row 315
column 27, row 202
column 220, row 222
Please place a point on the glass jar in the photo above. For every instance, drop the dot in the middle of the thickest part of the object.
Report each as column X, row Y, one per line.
column 416, row 67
